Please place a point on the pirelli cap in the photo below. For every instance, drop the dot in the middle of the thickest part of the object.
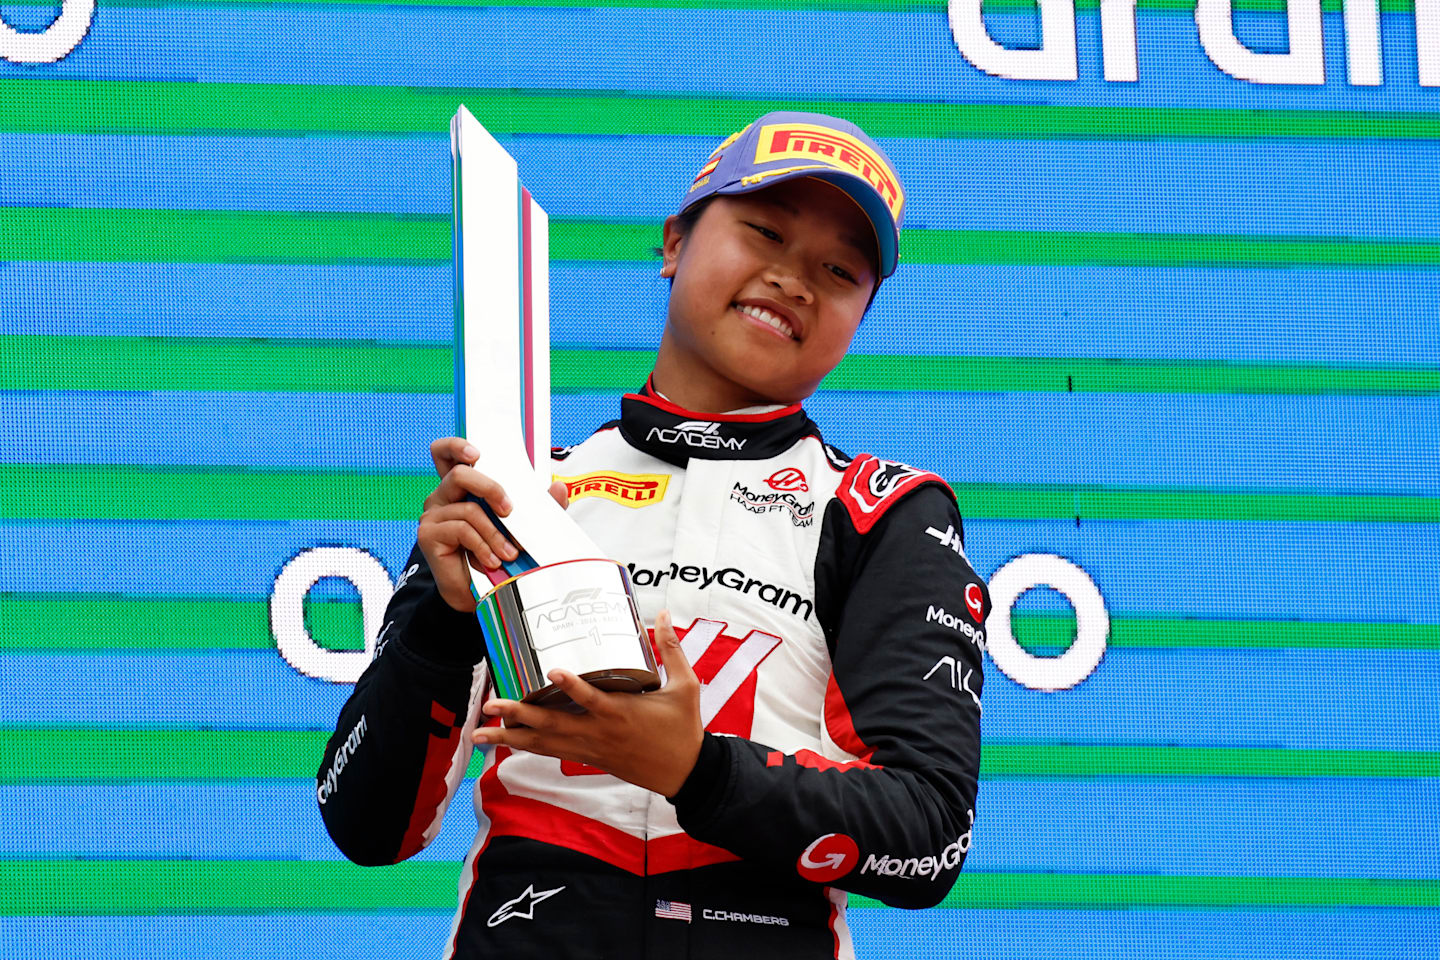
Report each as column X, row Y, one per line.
column 784, row 145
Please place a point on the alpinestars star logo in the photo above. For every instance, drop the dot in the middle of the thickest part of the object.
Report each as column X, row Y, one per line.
column 522, row 906
column 887, row 477
column 702, row 434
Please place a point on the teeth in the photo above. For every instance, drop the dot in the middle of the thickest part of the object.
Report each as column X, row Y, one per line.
column 766, row 317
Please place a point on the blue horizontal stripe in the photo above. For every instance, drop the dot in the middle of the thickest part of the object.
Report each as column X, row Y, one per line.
column 862, row 56
column 1185, row 934
column 1293, row 699
column 1221, row 827
column 1301, row 316
column 1279, row 571
column 366, row 935
column 235, row 560
column 1281, row 188
column 223, row 691
column 390, row 303
column 1321, row 444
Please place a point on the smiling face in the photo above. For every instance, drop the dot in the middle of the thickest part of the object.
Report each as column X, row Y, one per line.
column 768, row 290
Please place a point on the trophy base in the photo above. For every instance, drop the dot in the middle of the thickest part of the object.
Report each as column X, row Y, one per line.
column 611, row 681
column 576, row 615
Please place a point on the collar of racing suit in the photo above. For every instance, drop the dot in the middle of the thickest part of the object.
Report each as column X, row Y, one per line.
column 669, row 432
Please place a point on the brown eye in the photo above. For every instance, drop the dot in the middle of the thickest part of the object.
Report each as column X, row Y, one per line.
column 766, row 232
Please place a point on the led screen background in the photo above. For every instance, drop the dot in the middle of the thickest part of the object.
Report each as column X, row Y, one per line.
column 1179, row 331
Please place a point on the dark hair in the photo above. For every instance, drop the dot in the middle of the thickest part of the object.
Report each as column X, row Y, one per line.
column 685, row 221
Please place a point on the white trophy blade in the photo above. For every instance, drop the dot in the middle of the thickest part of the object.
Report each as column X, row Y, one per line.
column 491, row 377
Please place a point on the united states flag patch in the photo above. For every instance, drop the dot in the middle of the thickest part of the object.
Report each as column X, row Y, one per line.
column 672, row 910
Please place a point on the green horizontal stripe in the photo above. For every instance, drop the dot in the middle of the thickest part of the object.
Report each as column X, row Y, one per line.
column 1054, row 631
column 1034, row 761
column 82, row 492
column 832, row 6
column 1042, row 891
column 228, row 236
column 1087, row 375
column 139, row 493
column 59, row 754
column 188, row 887
column 165, row 107
column 89, row 623
column 1022, row 502
column 30, row 362
column 231, row 364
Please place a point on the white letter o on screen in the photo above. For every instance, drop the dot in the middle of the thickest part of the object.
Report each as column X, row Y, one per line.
column 54, row 42
column 1092, row 622
column 287, row 610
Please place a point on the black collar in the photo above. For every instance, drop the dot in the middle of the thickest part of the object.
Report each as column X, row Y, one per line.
column 651, row 423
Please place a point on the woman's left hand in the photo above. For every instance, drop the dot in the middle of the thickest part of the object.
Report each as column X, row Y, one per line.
column 650, row 739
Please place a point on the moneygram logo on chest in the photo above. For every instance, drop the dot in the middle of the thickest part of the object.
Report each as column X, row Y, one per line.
column 632, row 490
column 801, row 514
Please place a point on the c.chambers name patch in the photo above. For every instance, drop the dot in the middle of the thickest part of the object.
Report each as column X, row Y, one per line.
column 633, row 490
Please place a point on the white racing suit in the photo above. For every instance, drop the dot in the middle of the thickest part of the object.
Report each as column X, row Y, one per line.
column 829, row 608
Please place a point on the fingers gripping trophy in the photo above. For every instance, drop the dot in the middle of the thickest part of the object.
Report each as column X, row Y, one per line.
column 560, row 603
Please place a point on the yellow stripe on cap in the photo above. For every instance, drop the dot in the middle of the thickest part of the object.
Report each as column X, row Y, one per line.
column 829, row 148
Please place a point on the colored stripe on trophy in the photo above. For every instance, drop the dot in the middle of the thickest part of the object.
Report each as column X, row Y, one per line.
column 527, row 332
column 497, row 649
column 508, row 568
column 457, row 244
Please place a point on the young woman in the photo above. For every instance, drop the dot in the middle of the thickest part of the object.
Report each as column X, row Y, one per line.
column 821, row 628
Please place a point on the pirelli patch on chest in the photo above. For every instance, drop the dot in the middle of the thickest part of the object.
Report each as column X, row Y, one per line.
column 632, row 490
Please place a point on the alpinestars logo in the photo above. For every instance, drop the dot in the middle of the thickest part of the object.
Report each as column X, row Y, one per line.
column 800, row 514
column 702, row 434
column 871, row 485
column 887, row 476
column 522, row 906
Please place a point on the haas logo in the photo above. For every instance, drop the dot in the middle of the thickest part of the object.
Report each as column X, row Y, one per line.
column 788, row 480
column 828, row 858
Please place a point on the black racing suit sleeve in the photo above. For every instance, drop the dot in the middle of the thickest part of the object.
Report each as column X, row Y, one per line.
column 906, row 682
column 385, row 779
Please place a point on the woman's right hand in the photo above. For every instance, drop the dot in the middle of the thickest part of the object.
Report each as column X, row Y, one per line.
column 452, row 525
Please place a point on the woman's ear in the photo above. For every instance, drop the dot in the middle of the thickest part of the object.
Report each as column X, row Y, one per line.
column 670, row 249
